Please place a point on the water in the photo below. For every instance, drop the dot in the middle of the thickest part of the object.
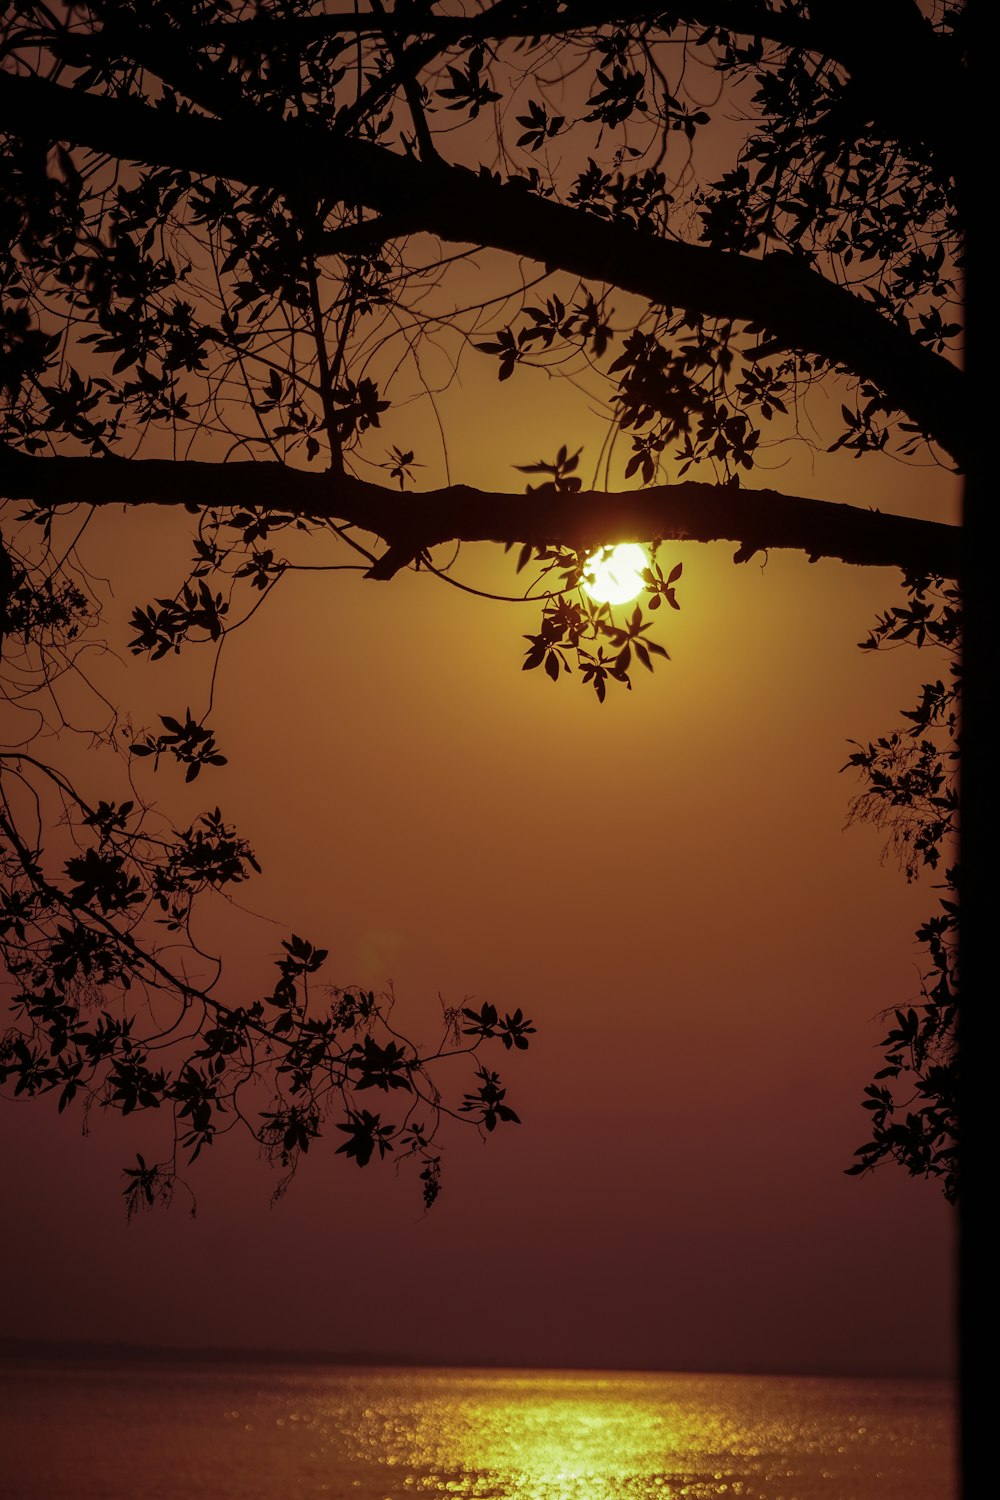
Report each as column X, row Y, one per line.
column 151, row 1431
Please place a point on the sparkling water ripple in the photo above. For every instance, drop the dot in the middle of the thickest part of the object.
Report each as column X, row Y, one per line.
column 274, row 1432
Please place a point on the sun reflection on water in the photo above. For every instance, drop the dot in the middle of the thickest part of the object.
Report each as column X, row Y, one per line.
column 273, row 1433
column 485, row 1436
column 538, row 1444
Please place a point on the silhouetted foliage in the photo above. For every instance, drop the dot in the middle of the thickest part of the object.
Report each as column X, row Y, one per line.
column 911, row 792
column 227, row 232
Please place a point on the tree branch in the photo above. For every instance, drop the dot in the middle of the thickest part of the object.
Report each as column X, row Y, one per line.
column 758, row 520
column 796, row 304
column 895, row 59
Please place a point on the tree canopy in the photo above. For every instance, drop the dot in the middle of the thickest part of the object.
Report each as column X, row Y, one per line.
column 246, row 251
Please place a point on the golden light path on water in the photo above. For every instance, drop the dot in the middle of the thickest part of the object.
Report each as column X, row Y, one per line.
column 256, row 1432
column 533, row 1436
column 528, row 1439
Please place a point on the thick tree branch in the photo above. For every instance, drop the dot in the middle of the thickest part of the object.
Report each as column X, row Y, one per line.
column 797, row 305
column 758, row 520
column 836, row 28
column 895, row 59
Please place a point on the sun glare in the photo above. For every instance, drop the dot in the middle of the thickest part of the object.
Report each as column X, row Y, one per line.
column 613, row 575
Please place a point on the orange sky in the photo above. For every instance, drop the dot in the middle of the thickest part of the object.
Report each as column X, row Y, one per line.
column 663, row 883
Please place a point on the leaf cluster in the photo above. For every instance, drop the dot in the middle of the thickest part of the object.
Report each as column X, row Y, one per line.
column 910, row 792
column 103, row 1013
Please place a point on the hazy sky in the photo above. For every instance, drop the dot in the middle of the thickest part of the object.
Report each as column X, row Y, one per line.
column 664, row 884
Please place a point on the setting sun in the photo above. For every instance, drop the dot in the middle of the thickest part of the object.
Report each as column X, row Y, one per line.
column 465, row 469
column 613, row 575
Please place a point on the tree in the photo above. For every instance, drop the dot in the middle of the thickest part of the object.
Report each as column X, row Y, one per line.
column 236, row 243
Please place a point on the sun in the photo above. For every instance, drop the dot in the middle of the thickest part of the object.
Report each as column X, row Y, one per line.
column 613, row 575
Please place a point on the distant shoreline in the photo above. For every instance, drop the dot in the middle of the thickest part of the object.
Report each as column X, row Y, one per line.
column 67, row 1351
column 76, row 1349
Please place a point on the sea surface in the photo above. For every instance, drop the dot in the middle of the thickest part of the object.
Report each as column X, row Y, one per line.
column 172, row 1431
